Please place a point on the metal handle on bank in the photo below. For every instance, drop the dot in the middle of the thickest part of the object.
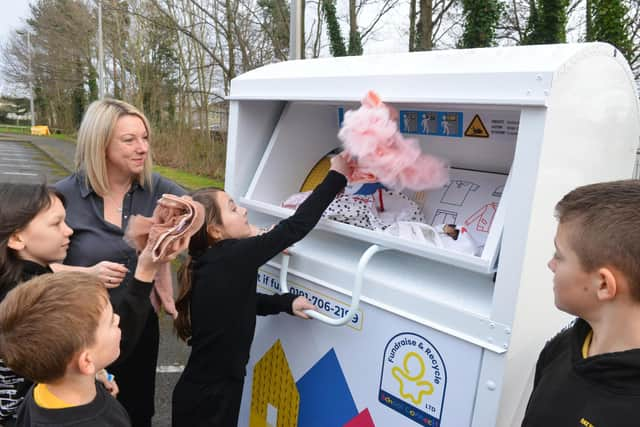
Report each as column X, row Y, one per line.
column 355, row 295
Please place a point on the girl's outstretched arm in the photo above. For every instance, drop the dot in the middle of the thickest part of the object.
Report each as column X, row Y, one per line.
column 258, row 250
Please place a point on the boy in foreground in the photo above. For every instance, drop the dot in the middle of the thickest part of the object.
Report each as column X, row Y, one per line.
column 589, row 374
column 60, row 331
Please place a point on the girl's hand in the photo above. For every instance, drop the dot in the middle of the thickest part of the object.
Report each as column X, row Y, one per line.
column 108, row 381
column 299, row 305
column 340, row 164
column 110, row 273
column 147, row 267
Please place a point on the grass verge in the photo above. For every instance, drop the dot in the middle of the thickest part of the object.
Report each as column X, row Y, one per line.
column 22, row 130
column 26, row 130
column 187, row 180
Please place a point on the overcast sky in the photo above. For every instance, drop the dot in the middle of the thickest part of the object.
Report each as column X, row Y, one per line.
column 14, row 13
column 12, row 17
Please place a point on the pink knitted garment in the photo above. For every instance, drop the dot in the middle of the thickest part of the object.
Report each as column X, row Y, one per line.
column 379, row 152
column 175, row 219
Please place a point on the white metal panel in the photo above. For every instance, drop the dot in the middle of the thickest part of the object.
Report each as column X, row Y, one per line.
column 481, row 89
column 250, row 126
column 590, row 133
column 510, row 275
column 453, row 301
column 305, row 134
column 520, row 75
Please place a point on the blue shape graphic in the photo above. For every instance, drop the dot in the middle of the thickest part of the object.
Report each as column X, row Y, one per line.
column 325, row 398
column 363, row 189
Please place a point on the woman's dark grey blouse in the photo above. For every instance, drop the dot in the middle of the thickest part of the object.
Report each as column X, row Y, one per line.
column 95, row 239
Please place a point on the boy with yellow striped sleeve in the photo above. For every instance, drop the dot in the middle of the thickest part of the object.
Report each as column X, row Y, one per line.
column 60, row 330
column 589, row 374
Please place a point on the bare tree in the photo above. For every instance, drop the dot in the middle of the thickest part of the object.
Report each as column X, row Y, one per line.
column 62, row 72
column 314, row 36
column 434, row 23
column 380, row 9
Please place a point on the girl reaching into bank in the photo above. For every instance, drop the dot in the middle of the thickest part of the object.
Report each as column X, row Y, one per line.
column 218, row 303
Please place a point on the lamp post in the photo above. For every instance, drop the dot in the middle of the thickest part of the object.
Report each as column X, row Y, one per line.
column 296, row 30
column 100, row 54
column 33, row 117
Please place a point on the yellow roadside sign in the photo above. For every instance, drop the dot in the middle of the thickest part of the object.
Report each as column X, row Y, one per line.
column 40, row 130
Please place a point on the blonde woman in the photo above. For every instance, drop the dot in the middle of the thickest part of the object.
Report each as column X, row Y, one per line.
column 113, row 181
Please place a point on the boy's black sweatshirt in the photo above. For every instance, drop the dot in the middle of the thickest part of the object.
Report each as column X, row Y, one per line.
column 568, row 390
column 103, row 411
column 224, row 302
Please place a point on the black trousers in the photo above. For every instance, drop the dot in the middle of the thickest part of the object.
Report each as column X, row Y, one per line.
column 136, row 375
column 210, row 405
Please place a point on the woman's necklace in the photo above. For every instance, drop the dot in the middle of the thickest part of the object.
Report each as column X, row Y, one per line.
column 116, row 202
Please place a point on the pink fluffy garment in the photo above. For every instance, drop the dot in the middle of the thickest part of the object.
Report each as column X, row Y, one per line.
column 379, row 152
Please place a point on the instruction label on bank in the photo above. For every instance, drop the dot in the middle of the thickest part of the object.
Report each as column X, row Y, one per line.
column 435, row 123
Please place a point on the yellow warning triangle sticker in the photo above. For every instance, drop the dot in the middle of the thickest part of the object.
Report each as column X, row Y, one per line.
column 476, row 128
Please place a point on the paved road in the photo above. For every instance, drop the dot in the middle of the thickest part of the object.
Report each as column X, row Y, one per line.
column 33, row 159
column 21, row 161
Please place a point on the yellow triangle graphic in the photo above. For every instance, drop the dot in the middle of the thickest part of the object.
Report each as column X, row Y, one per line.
column 476, row 128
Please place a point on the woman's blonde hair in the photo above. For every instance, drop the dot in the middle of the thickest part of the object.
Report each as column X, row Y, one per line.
column 96, row 131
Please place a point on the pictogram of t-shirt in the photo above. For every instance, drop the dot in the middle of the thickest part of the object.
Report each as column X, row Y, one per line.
column 457, row 191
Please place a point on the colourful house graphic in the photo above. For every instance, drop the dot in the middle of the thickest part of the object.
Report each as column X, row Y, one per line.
column 274, row 396
column 320, row 398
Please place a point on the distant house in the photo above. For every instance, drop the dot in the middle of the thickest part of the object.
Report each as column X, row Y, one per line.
column 26, row 117
column 218, row 116
column 12, row 112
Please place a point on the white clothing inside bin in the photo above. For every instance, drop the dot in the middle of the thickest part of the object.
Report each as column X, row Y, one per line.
column 367, row 211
